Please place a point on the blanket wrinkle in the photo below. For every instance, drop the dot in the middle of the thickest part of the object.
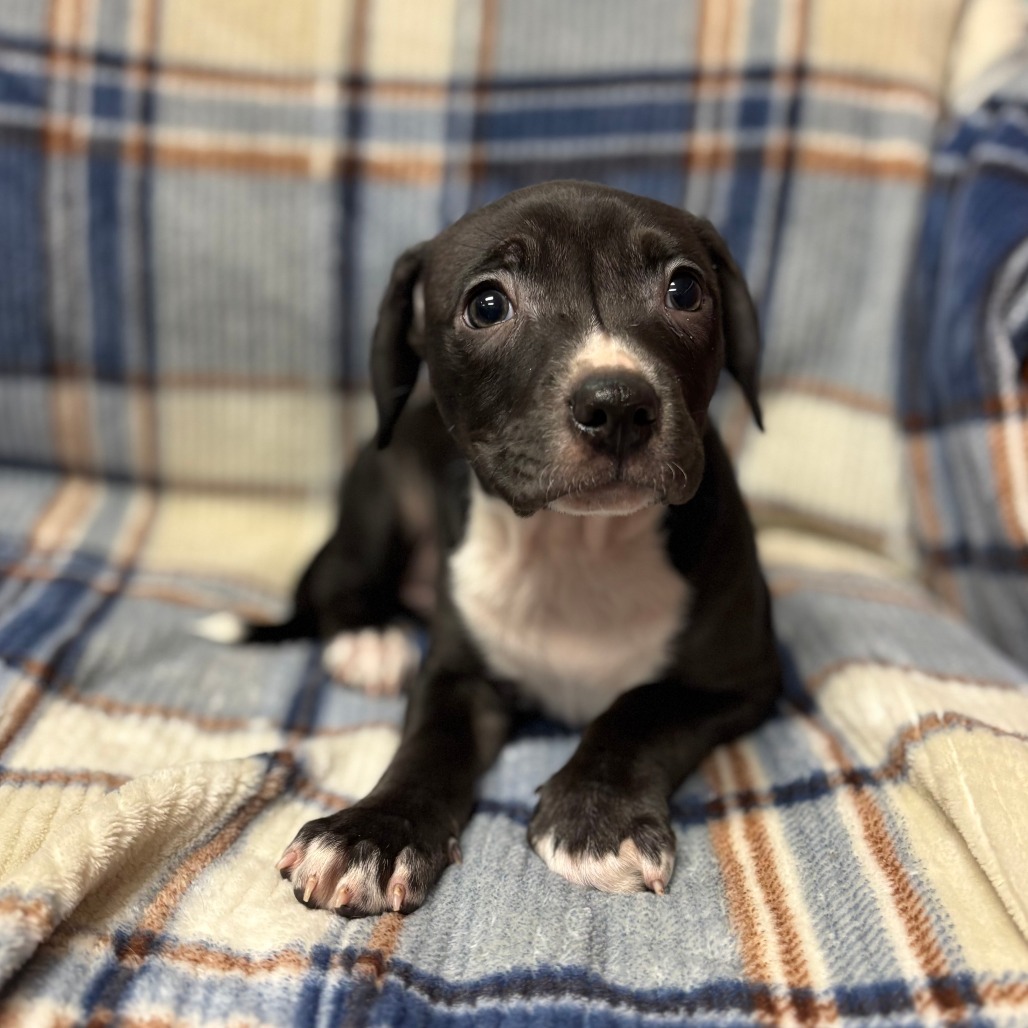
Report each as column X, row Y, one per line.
column 94, row 844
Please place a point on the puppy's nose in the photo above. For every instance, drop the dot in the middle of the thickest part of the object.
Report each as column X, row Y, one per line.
column 615, row 410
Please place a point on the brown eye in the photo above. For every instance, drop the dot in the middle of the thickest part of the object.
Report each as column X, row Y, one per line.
column 683, row 291
column 487, row 307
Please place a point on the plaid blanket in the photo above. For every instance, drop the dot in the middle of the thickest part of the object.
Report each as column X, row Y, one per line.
column 205, row 199
column 858, row 859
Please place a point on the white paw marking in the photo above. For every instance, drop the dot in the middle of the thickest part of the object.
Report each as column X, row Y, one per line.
column 625, row 871
column 322, row 876
column 377, row 662
column 223, row 627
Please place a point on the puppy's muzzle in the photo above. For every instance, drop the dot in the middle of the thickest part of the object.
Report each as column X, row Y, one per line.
column 615, row 411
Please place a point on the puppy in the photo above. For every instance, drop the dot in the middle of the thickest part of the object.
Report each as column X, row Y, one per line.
column 565, row 518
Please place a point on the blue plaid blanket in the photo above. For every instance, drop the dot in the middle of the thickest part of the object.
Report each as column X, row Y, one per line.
column 199, row 204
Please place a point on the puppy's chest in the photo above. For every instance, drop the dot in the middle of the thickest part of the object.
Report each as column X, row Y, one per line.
column 574, row 610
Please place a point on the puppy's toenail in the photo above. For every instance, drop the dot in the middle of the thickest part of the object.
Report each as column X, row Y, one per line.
column 399, row 895
column 655, row 882
column 288, row 861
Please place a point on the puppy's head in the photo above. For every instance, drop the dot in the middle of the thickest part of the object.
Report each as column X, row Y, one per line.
column 573, row 336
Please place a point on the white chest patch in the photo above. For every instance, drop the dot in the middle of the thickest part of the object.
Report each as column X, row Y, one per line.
column 575, row 610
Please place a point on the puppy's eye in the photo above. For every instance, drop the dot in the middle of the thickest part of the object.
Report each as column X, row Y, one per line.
column 487, row 307
column 683, row 291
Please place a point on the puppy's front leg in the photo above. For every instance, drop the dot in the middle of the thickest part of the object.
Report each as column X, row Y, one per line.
column 387, row 850
column 603, row 821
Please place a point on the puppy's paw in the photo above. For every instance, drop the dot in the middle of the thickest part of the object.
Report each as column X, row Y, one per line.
column 376, row 662
column 367, row 860
column 602, row 838
column 222, row 627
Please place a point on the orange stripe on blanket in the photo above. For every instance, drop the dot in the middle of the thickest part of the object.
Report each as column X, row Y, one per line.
column 824, row 389
column 1010, row 467
column 35, row 912
column 919, row 449
column 374, row 961
column 107, row 584
column 791, row 944
column 198, row 955
column 743, row 910
column 1004, row 993
column 902, row 893
column 306, row 159
column 484, row 59
column 786, row 584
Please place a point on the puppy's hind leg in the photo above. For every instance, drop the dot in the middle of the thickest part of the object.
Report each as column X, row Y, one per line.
column 377, row 661
column 349, row 595
column 352, row 590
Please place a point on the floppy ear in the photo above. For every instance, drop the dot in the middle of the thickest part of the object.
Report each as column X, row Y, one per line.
column 738, row 319
column 394, row 364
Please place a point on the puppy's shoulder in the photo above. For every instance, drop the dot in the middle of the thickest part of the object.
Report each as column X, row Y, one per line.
column 712, row 534
column 419, row 440
column 427, row 473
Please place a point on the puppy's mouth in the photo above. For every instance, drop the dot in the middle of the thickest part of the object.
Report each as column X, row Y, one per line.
column 615, row 493
column 614, row 498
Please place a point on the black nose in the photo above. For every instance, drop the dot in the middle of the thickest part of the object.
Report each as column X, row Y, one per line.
column 615, row 410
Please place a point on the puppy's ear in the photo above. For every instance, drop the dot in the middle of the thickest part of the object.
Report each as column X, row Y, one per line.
column 738, row 319
column 394, row 364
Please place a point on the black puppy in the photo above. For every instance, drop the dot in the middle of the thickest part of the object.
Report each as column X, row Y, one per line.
column 577, row 514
